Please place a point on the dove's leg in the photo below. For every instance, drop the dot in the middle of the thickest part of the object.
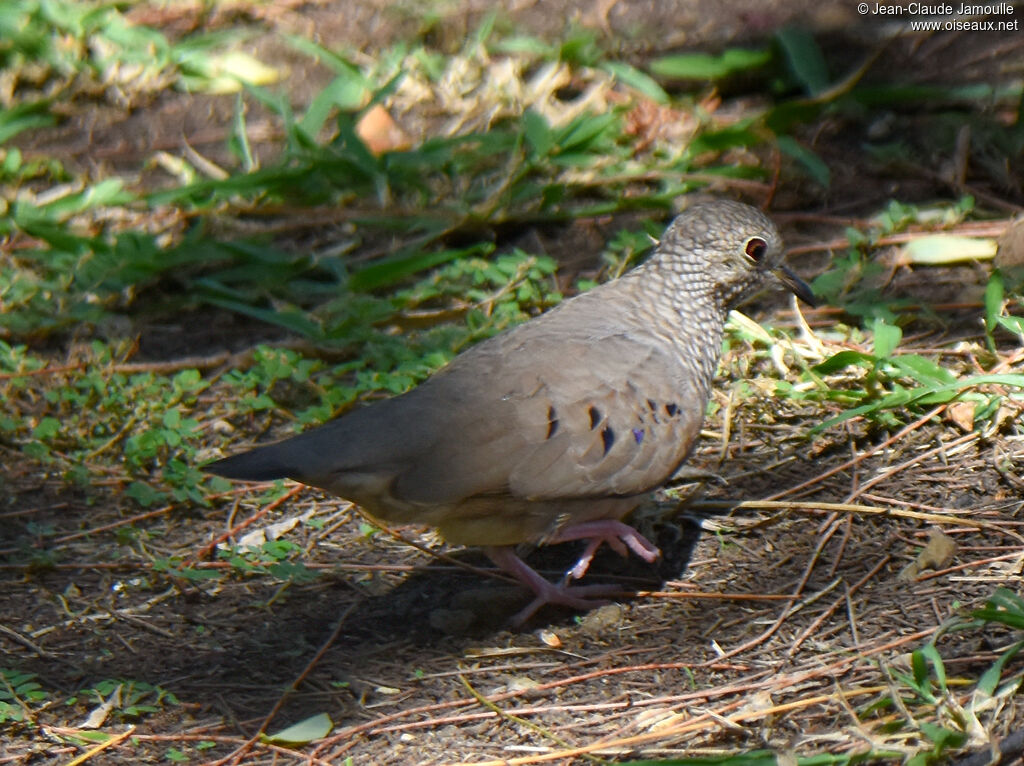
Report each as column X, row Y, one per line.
column 575, row 596
column 615, row 533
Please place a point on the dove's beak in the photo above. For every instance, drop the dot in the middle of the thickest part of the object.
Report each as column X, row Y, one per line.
column 795, row 285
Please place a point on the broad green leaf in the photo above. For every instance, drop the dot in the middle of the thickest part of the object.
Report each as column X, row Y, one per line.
column 923, row 370
column 1012, row 324
column 920, row 669
column 303, row 732
column 740, row 134
column 841, row 360
column 990, row 678
column 528, row 46
column 929, row 652
column 580, row 134
column 47, row 428
column 804, row 57
column 637, row 80
column 1004, row 607
column 347, row 92
column 538, row 133
column 886, row 338
column 942, row 737
column 703, row 66
column 942, row 249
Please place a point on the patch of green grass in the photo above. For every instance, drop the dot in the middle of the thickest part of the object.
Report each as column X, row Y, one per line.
column 20, row 695
column 150, row 431
column 132, row 699
column 895, row 384
column 924, row 695
column 69, row 48
column 85, row 259
column 923, row 705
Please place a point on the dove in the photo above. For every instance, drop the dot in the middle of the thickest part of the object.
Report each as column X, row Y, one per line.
column 555, row 429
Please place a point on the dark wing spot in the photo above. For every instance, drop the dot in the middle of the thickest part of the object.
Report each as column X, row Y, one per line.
column 595, row 417
column 608, row 437
column 653, row 407
column 672, row 409
column 638, row 434
column 552, row 422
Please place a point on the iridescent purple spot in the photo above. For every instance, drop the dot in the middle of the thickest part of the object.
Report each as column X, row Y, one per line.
column 638, row 434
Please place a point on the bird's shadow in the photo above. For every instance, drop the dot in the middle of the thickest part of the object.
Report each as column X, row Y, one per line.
column 264, row 641
column 440, row 599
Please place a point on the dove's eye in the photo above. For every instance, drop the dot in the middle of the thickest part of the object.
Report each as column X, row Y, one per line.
column 756, row 248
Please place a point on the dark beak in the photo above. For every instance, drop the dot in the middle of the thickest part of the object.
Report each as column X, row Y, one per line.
column 795, row 285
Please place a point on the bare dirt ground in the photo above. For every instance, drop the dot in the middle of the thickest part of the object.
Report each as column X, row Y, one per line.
column 761, row 628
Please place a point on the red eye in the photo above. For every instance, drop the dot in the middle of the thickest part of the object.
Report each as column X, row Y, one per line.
column 756, row 248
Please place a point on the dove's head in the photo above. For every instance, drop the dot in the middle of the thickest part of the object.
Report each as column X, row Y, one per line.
column 732, row 249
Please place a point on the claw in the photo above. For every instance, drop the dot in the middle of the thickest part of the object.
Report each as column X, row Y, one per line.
column 620, row 537
column 617, row 535
column 575, row 596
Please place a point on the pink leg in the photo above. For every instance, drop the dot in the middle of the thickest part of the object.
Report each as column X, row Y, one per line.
column 615, row 533
column 575, row 596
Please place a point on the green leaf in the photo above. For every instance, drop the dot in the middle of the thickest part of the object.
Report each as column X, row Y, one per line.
column 703, row 66
column 942, row 737
column 1005, row 607
column 392, row 270
column 24, row 117
column 895, row 399
column 945, row 249
column 48, row 428
column 144, row 494
column 1012, row 324
column 291, row 319
column 301, row 733
column 993, row 304
column 347, row 92
column 538, row 133
column 637, row 80
column 923, row 370
column 804, row 58
column 929, row 652
column 739, row 134
column 990, row 678
column 920, row 668
column 842, row 360
column 526, row 46
column 580, row 134
column 886, row 338
column 810, row 161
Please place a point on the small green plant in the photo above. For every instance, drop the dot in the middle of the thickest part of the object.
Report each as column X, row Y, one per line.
column 925, row 697
column 20, row 694
column 274, row 557
column 133, row 699
column 893, row 382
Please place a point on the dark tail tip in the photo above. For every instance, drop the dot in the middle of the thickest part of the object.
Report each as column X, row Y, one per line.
column 255, row 465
